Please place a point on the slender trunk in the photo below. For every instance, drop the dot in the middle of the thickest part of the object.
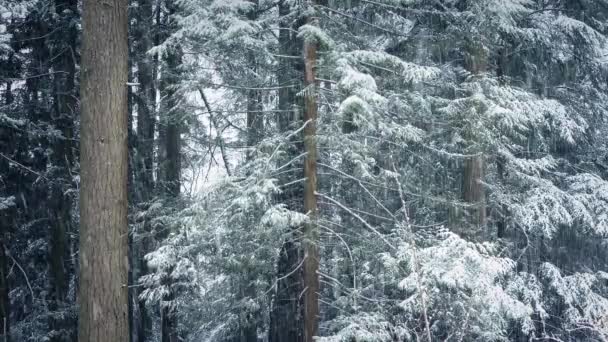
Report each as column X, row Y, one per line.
column 172, row 165
column 4, row 286
column 255, row 117
column 103, row 296
column 144, row 167
column 473, row 191
column 311, row 234
column 171, row 132
column 146, row 97
column 65, row 108
column 473, row 171
column 168, row 320
column 4, row 290
column 286, row 312
column 255, row 128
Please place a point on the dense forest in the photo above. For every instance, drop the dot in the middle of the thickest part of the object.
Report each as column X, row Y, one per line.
column 303, row 170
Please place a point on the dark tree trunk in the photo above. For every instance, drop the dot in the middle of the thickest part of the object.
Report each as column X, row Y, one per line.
column 146, row 97
column 103, row 293
column 4, row 224
column 168, row 319
column 171, row 135
column 65, row 109
column 144, row 166
column 171, row 166
column 286, row 312
column 4, row 290
column 255, row 117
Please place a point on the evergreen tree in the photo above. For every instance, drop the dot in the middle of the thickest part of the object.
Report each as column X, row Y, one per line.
column 103, row 255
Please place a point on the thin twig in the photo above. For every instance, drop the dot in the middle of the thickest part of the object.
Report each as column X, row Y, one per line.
column 219, row 137
column 27, row 280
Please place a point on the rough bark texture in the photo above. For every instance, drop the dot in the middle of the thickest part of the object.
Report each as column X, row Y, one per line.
column 286, row 313
column 103, row 293
column 311, row 249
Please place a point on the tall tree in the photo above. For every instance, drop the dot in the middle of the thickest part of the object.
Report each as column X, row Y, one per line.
column 286, row 315
column 103, row 294
column 473, row 190
column 144, row 163
column 146, row 97
column 170, row 168
column 311, row 233
column 63, row 118
column 4, row 290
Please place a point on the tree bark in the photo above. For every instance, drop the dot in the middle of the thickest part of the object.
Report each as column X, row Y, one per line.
column 311, row 234
column 103, row 296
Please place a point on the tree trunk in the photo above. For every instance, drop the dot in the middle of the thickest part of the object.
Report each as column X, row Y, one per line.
column 103, row 296
column 4, row 230
column 144, row 167
column 255, row 117
column 311, row 234
column 146, row 97
column 171, row 167
column 4, row 290
column 286, row 312
column 171, row 143
column 473, row 191
column 65, row 108
column 168, row 320
column 473, row 172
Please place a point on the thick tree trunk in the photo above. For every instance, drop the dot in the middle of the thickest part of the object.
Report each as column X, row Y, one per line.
column 286, row 312
column 311, row 234
column 103, row 293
